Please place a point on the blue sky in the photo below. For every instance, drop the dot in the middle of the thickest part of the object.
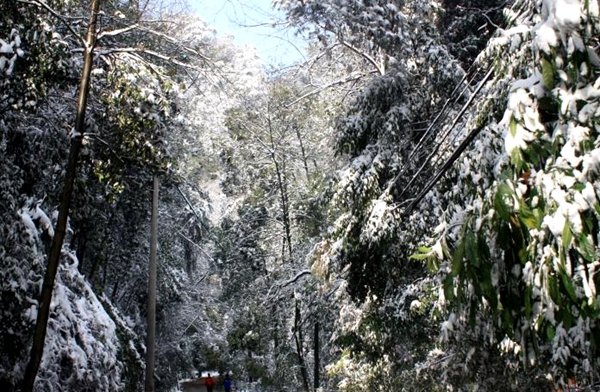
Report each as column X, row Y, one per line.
column 249, row 21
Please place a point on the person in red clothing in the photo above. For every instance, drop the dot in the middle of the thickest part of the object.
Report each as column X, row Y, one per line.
column 209, row 382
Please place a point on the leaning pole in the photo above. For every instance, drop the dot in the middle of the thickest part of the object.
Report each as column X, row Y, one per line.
column 151, row 335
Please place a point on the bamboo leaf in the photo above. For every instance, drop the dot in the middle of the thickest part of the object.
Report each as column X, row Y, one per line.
column 567, row 236
column 512, row 127
column 568, row 285
column 503, row 193
column 528, row 217
column 548, row 74
column 586, row 248
column 449, row 287
column 419, row 256
column 457, row 259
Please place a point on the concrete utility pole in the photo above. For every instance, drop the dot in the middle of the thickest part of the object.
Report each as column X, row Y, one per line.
column 317, row 364
column 151, row 335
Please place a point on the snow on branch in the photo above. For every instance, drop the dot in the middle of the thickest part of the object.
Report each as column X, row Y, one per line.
column 352, row 78
column 113, row 33
column 295, row 278
column 161, row 56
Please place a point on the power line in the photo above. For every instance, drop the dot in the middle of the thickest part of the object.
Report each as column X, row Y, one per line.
column 454, row 122
column 470, row 137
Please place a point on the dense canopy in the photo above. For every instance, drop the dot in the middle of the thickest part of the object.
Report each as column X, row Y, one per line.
column 412, row 207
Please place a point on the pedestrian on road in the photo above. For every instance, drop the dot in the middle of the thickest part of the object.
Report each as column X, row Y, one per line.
column 209, row 382
column 227, row 383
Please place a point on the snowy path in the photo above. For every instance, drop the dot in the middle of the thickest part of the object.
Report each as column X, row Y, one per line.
column 197, row 385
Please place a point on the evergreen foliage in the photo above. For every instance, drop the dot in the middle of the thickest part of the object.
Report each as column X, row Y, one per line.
column 420, row 195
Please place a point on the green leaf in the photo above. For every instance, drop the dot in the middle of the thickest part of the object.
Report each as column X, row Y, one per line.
column 433, row 264
column 423, row 249
column 512, row 127
column 449, row 287
column 568, row 284
column 523, row 253
column 589, row 223
column 419, row 256
column 566, row 317
column 471, row 249
column 457, row 259
column 554, row 289
column 488, row 288
column 548, row 74
column 586, row 248
column 503, row 193
column 597, row 208
column 528, row 217
column 567, row 235
column 516, row 158
column 550, row 332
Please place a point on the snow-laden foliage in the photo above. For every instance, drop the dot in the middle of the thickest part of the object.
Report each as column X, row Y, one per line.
column 27, row 35
column 460, row 20
column 523, row 242
column 514, row 216
column 368, row 26
column 86, row 347
column 274, row 167
column 488, row 281
column 131, row 109
column 19, row 240
column 83, row 350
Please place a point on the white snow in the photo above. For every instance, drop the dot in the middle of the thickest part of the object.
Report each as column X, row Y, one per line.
column 29, row 225
column 5, row 47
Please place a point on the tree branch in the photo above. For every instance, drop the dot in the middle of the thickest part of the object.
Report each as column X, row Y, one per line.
column 161, row 56
column 322, row 88
column 379, row 67
column 294, row 279
column 113, row 33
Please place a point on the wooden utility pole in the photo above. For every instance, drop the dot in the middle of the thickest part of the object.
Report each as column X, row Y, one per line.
column 39, row 337
column 151, row 335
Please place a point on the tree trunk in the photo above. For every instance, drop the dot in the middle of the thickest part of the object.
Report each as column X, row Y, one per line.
column 37, row 349
column 282, row 185
column 152, row 294
column 304, row 157
column 299, row 347
column 81, row 246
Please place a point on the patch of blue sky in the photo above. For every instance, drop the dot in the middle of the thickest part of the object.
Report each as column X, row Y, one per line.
column 256, row 23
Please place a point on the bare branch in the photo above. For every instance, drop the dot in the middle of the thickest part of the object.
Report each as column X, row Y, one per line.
column 325, row 87
column 192, row 208
column 173, row 41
